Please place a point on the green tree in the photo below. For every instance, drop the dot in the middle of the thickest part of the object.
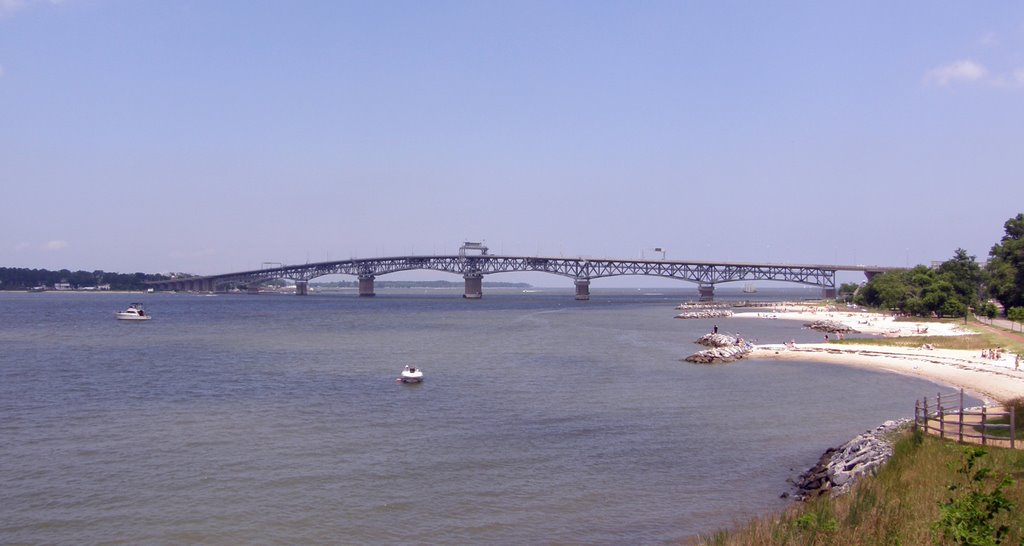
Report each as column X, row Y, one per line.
column 1006, row 265
column 847, row 291
column 947, row 291
column 965, row 275
column 1016, row 314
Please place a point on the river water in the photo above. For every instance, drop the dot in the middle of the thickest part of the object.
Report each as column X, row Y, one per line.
column 277, row 419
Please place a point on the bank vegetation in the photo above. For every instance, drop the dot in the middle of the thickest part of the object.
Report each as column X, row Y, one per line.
column 957, row 287
column 931, row 491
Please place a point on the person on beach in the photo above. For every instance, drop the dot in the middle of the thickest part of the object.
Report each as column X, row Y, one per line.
column 714, row 330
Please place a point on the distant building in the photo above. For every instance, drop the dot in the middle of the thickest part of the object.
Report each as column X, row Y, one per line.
column 470, row 246
column 62, row 286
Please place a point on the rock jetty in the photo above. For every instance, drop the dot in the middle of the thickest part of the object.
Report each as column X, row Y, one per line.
column 830, row 326
column 717, row 340
column 704, row 305
column 723, row 349
column 719, row 355
column 840, row 467
column 705, row 314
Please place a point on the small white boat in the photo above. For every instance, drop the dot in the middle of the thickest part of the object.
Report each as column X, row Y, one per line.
column 411, row 374
column 133, row 312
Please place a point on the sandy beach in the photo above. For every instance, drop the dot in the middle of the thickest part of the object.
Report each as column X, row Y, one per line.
column 862, row 321
column 992, row 380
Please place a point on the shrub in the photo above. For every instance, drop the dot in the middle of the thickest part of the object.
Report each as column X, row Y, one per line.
column 971, row 517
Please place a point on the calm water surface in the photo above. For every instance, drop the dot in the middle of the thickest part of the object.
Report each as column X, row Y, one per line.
column 276, row 419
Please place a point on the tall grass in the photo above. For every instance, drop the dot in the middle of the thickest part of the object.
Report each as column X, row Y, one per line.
column 974, row 343
column 978, row 341
column 900, row 505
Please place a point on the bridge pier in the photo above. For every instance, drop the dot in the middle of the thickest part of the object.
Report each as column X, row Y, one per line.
column 582, row 289
column 301, row 288
column 828, row 293
column 474, row 286
column 707, row 292
column 253, row 289
column 366, row 286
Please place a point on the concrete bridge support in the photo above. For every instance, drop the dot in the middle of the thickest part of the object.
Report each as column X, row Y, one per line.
column 707, row 292
column 366, row 286
column 253, row 289
column 828, row 293
column 301, row 288
column 582, row 289
column 474, row 286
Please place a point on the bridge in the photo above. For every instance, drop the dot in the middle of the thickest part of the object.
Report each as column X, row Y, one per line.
column 472, row 267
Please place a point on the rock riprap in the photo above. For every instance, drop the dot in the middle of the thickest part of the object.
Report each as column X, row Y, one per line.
column 840, row 467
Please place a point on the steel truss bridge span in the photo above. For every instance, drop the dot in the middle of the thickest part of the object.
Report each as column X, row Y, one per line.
column 472, row 268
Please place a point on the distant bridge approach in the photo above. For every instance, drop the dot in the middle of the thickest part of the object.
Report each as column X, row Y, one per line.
column 473, row 262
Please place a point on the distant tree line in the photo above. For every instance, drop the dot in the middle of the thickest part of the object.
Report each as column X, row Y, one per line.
column 957, row 286
column 16, row 278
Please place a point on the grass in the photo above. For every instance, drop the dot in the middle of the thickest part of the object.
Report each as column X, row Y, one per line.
column 900, row 505
column 999, row 432
column 980, row 340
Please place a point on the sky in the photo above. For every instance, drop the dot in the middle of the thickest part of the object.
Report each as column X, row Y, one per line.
column 213, row 136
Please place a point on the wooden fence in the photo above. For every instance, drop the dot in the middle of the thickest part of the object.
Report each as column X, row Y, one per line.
column 946, row 417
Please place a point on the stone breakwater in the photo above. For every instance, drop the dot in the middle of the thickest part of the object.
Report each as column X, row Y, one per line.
column 830, row 326
column 705, row 314
column 705, row 305
column 723, row 349
column 840, row 467
column 717, row 340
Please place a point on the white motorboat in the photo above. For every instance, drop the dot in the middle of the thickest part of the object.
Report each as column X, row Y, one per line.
column 411, row 374
column 133, row 312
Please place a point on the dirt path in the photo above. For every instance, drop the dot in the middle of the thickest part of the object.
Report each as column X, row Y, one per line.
column 1001, row 332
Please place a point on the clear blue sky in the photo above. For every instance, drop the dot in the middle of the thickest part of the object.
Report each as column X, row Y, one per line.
column 211, row 136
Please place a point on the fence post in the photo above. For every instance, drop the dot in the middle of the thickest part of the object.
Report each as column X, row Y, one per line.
column 984, row 419
column 1013, row 425
column 925, row 414
column 960, row 427
column 917, row 410
column 942, row 423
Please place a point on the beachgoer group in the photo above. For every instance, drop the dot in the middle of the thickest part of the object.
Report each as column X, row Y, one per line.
column 992, row 354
